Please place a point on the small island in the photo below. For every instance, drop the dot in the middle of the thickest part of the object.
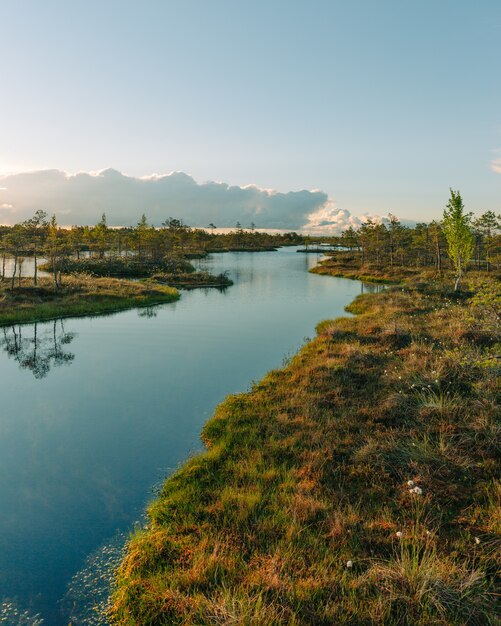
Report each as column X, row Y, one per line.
column 99, row 269
column 77, row 296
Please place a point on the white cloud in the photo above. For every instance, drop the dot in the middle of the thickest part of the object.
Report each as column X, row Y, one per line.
column 81, row 199
column 329, row 220
column 496, row 165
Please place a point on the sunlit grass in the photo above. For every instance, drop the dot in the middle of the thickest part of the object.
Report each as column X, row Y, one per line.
column 79, row 295
column 357, row 485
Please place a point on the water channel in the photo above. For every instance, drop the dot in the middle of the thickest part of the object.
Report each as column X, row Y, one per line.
column 97, row 411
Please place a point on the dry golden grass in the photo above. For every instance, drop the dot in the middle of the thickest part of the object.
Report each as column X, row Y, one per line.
column 301, row 510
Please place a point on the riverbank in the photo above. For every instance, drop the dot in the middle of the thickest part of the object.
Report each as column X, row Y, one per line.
column 345, row 265
column 355, row 486
column 79, row 295
column 193, row 280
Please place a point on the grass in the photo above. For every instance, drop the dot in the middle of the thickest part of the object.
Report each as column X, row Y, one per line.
column 309, row 472
column 79, row 295
column 346, row 265
column 194, row 279
column 122, row 267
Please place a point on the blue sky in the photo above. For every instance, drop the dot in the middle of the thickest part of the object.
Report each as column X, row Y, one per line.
column 383, row 105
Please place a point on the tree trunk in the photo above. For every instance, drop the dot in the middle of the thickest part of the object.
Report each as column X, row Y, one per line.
column 439, row 259
column 14, row 272
column 54, row 271
column 458, row 279
column 35, row 275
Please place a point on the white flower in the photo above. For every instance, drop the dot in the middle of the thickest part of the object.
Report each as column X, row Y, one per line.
column 400, row 534
column 477, row 540
column 410, row 483
column 349, row 564
column 417, row 490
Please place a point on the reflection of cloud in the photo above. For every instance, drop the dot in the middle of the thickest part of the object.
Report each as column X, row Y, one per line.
column 83, row 197
column 496, row 165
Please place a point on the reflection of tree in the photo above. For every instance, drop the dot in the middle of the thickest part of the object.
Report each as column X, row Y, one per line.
column 147, row 311
column 38, row 351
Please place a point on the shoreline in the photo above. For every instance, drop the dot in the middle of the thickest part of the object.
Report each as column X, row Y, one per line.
column 307, row 472
column 80, row 297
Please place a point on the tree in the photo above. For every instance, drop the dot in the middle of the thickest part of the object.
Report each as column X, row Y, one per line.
column 15, row 243
column 457, row 230
column 36, row 230
column 487, row 225
column 100, row 236
column 57, row 249
column 435, row 230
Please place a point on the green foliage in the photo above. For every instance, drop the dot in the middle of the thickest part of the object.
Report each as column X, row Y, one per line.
column 457, row 229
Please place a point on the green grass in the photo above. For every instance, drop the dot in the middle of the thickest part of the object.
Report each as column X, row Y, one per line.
column 310, row 470
column 192, row 280
column 345, row 265
column 79, row 296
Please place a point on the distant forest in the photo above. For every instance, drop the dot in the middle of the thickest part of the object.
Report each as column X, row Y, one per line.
column 41, row 237
column 425, row 245
column 380, row 243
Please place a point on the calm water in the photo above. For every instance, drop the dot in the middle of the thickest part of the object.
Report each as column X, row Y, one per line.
column 97, row 411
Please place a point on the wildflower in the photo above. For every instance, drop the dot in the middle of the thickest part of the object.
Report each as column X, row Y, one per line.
column 399, row 534
column 477, row 540
column 349, row 564
column 417, row 490
column 410, row 483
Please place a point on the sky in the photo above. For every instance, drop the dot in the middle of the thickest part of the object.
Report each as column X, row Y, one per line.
column 371, row 106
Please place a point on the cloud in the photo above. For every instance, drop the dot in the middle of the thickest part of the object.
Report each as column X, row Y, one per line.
column 81, row 199
column 329, row 220
column 496, row 165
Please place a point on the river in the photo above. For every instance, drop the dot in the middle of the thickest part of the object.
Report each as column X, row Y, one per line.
column 97, row 411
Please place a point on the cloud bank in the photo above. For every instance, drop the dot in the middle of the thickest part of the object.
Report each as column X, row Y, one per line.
column 83, row 197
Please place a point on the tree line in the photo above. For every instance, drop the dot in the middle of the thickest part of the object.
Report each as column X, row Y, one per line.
column 458, row 239
column 40, row 236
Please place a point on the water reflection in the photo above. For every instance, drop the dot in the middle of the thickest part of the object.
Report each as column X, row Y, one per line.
column 81, row 449
column 38, row 347
column 372, row 287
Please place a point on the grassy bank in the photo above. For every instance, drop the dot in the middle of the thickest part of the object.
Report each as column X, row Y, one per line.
column 79, row 295
column 346, row 265
column 122, row 267
column 214, row 249
column 358, row 485
column 193, row 280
